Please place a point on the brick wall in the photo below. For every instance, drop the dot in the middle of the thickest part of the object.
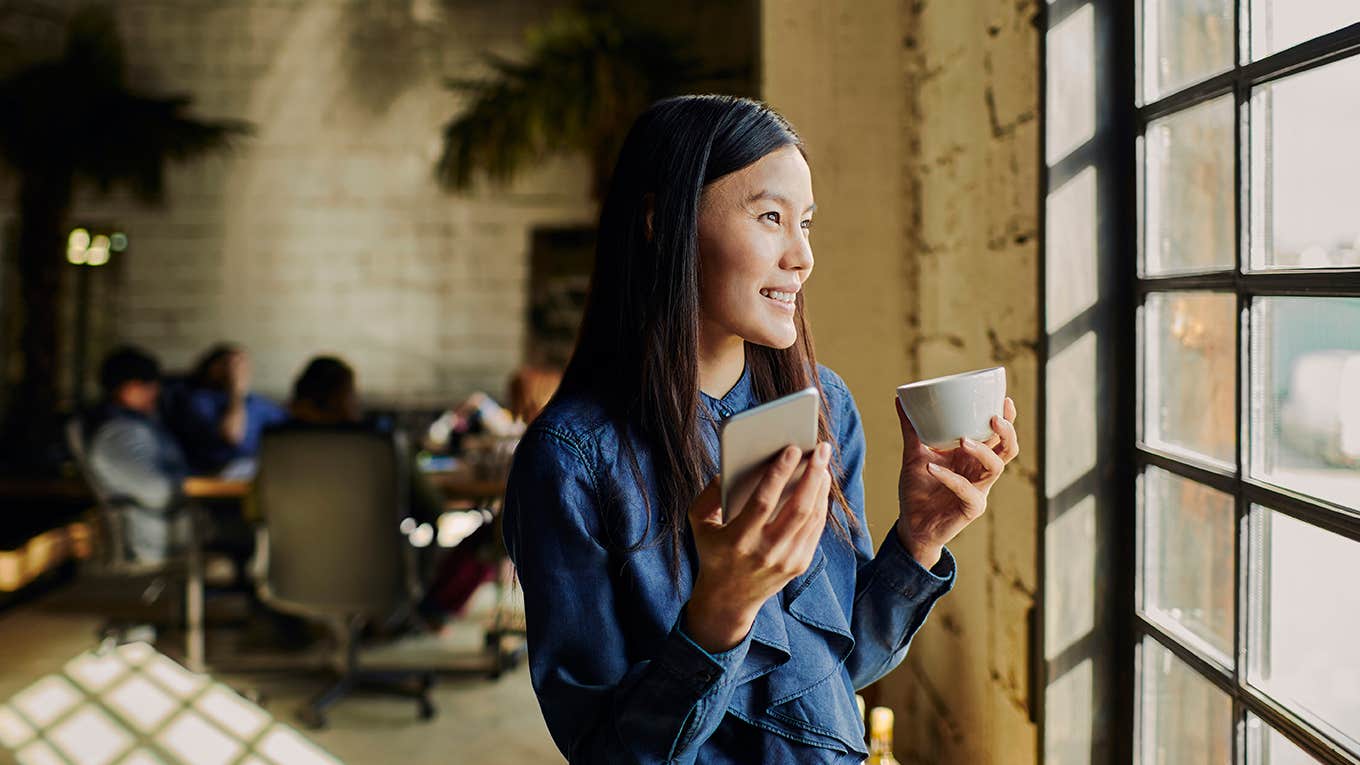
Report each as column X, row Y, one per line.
column 324, row 231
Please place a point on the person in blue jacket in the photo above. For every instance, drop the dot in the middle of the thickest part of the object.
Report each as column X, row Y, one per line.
column 657, row 633
column 215, row 416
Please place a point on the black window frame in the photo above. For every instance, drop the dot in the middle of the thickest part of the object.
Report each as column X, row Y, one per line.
column 1122, row 119
column 1246, row 286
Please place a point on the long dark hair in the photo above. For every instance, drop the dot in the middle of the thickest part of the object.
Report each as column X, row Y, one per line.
column 326, row 385
column 637, row 351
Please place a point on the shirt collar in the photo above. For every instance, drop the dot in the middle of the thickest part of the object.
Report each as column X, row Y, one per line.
column 736, row 399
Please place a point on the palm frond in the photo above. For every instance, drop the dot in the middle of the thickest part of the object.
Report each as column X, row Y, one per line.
column 584, row 77
column 75, row 117
column 139, row 135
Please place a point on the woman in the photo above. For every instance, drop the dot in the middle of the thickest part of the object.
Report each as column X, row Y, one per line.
column 657, row 634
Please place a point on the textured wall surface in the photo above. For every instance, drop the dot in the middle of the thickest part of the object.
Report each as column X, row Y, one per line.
column 837, row 75
column 921, row 119
column 324, row 231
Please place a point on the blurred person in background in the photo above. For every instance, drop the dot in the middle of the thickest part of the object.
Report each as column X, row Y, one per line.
column 531, row 388
column 216, row 418
column 136, row 459
column 325, row 394
column 478, row 414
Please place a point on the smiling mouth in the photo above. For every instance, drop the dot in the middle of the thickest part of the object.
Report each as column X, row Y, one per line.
column 783, row 298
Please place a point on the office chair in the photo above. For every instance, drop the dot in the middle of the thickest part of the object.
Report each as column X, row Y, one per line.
column 332, row 552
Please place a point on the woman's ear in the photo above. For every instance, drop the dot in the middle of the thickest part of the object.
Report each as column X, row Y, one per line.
column 649, row 208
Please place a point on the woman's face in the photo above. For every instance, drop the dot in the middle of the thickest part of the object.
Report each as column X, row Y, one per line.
column 754, row 253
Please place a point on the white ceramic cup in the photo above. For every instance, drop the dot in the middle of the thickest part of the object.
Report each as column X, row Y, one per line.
column 945, row 409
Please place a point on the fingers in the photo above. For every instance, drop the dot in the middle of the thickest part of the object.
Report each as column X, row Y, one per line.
column 797, row 545
column 812, row 531
column 807, row 540
column 973, row 500
column 802, row 503
column 1008, row 447
column 992, row 466
column 911, row 442
column 765, row 499
column 999, row 425
column 706, row 510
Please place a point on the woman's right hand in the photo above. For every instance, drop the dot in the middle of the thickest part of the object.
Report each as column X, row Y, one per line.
column 746, row 561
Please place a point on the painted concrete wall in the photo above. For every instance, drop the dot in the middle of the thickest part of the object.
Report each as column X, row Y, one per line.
column 920, row 119
column 325, row 231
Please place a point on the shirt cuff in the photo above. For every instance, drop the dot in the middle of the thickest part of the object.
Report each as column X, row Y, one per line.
column 688, row 663
column 899, row 570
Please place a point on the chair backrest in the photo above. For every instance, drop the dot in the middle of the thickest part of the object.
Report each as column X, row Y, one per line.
column 111, row 544
column 331, row 501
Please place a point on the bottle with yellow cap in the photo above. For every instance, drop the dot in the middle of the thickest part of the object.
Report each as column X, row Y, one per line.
column 880, row 737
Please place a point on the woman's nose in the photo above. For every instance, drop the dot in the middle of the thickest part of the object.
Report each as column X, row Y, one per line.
column 798, row 256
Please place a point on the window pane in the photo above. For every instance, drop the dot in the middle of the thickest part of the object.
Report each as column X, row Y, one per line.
column 1188, row 190
column 1306, row 396
column 1183, row 717
column 1304, row 167
column 1070, row 110
column 1189, row 363
column 1188, row 561
column 1265, row 746
column 1184, row 41
column 1305, row 616
column 1280, row 24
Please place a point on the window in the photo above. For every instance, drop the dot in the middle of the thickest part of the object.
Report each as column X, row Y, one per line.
column 1247, row 585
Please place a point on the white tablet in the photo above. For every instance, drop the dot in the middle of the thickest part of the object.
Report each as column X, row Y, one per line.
column 751, row 438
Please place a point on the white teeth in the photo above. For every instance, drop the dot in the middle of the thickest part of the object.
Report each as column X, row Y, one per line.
column 783, row 297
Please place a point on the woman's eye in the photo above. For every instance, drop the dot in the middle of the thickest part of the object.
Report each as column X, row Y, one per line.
column 772, row 215
column 807, row 225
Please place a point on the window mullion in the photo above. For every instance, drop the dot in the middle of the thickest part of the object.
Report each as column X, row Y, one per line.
column 1241, row 406
column 1289, row 725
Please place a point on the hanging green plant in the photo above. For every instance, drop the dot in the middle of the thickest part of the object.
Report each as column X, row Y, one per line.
column 585, row 75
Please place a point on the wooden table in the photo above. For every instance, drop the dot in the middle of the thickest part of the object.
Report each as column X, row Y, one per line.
column 461, row 484
column 195, row 486
column 209, row 488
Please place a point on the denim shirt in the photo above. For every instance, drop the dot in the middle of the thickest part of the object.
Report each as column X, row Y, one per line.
column 616, row 676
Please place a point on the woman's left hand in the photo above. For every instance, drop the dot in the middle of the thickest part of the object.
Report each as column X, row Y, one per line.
column 941, row 492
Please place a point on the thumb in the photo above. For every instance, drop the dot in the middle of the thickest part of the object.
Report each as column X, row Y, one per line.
column 706, row 509
column 911, row 442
